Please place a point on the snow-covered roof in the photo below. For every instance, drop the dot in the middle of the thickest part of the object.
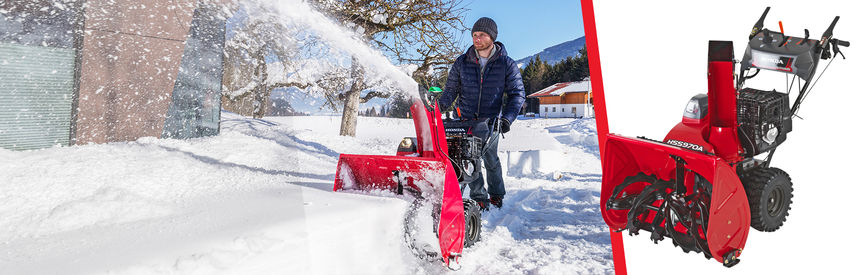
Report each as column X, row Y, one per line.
column 563, row 88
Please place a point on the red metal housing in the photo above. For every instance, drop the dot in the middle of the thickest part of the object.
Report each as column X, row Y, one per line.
column 429, row 172
column 716, row 135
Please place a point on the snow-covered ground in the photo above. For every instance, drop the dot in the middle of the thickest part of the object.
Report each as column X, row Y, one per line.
column 257, row 199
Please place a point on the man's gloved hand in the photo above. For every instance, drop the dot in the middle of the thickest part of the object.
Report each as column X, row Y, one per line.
column 505, row 126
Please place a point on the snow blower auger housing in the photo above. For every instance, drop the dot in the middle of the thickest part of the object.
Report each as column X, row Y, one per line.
column 433, row 166
column 702, row 185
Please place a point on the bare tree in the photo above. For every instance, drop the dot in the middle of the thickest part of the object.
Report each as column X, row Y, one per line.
column 260, row 45
column 247, row 84
column 422, row 32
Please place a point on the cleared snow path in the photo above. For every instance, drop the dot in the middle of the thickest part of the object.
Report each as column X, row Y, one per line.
column 550, row 222
column 256, row 199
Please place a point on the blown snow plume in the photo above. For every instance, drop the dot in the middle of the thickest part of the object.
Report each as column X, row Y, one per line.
column 341, row 45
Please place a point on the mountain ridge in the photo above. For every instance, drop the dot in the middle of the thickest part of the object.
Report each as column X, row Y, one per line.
column 556, row 53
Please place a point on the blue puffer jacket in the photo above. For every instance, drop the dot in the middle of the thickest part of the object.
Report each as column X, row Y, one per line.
column 501, row 77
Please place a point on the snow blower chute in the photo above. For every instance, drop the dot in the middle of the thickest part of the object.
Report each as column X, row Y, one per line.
column 701, row 186
column 433, row 166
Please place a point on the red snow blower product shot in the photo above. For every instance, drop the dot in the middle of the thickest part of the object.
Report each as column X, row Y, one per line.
column 434, row 167
column 702, row 186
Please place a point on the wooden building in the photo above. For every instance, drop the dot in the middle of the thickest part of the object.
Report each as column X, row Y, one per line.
column 567, row 99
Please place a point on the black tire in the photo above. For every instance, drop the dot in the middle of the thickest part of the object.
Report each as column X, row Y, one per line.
column 473, row 223
column 769, row 192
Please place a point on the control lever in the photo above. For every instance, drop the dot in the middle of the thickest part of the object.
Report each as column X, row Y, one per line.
column 834, row 43
column 783, row 38
column 766, row 37
column 806, row 36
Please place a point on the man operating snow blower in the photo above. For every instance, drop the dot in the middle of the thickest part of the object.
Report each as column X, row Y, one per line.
column 480, row 81
column 435, row 166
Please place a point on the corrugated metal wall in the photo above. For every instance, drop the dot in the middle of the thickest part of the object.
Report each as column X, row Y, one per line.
column 36, row 86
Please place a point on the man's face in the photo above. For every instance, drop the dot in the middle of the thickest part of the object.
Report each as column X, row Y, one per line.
column 482, row 40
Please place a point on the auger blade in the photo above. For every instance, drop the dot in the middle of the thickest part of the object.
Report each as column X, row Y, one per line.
column 429, row 175
column 644, row 174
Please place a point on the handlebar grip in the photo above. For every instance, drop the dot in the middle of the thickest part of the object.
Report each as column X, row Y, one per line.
column 762, row 18
column 830, row 31
column 842, row 43
column 758, row 26
column 834, row 22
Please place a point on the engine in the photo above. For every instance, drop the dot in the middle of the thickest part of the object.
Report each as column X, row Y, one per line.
column 465, row 141
column 764, row 118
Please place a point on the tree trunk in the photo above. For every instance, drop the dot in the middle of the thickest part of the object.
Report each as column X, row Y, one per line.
column 350, row 111
column 262, row 92
column 352, row 100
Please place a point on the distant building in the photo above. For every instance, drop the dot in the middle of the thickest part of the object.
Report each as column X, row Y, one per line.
column 113, row 71
column 568, row 99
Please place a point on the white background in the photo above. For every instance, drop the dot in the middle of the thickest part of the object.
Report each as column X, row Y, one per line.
column 654, row 58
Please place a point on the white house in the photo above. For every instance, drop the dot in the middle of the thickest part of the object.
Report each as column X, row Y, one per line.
column 567, row 99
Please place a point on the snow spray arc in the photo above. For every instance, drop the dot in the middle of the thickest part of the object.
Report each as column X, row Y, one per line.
column 298, row 14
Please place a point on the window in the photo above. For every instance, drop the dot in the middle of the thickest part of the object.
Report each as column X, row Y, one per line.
column 546, row 110
column 553, row 109
column 196, row 100
column 574, row 110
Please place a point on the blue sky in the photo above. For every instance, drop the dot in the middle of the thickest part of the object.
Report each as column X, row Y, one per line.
column 528, row 27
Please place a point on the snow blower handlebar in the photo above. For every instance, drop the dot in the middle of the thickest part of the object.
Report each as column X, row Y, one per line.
column 829, row 40
column 824, row 43
column 758, row 26
column 776, row 51
column 828, row 34
column 429, row 97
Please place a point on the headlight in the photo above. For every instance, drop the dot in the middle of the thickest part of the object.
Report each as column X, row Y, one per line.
column 697, row 107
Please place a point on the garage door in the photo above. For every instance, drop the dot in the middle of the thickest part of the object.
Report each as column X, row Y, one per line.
column 36, row 87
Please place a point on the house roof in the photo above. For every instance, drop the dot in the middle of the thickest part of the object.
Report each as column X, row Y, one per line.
column 563, row 88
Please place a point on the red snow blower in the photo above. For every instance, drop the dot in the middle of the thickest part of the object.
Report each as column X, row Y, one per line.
column 434, row 166
column 702, row 185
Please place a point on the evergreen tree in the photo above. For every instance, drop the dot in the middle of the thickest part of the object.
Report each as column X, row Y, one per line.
column 533, row 75
column 399, row 105
column 538, row 74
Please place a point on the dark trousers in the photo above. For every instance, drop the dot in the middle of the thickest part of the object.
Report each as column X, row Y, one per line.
column 493, row 175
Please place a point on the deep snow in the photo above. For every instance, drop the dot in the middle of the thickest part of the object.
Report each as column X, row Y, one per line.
column 257, row 199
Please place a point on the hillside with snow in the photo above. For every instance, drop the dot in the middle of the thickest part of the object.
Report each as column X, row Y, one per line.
column 258, row 199
column 557, row 53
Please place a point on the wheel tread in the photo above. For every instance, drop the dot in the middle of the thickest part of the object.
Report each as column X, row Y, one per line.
column 471, row 208
column 756, row 182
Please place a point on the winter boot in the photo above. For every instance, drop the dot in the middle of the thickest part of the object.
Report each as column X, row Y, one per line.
column 483, row 204
column 497, row 201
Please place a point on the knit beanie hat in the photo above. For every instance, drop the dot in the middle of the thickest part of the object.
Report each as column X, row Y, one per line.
column 487, row 25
